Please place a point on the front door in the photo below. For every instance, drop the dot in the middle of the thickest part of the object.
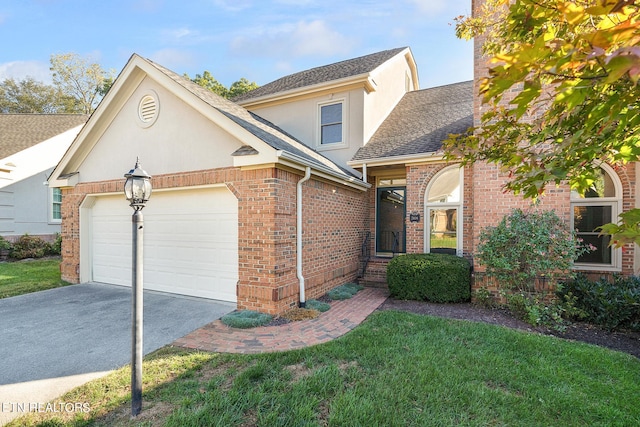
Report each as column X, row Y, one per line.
column 390, row 225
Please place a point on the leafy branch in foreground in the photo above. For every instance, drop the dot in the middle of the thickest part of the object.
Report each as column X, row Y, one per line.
column 575, row 68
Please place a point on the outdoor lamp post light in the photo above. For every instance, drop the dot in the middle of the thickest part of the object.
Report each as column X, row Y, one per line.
column 137, row 190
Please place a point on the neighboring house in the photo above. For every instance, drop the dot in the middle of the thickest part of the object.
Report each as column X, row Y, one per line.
column 30, row 146
column 273, row 199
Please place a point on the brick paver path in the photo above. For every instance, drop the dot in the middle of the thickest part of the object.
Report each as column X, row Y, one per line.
column 340, row 319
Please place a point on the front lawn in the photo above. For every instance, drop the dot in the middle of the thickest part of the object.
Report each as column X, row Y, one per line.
column 23, row 277
column 396, row 369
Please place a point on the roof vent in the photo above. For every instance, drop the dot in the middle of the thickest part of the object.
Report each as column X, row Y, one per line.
column 148, row 109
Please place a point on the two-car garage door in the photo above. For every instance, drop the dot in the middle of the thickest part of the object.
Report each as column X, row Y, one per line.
column 190, row 242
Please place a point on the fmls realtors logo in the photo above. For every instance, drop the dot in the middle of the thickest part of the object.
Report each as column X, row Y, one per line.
column 57, row 407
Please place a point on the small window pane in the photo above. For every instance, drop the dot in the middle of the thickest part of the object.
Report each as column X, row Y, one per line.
column 444, row 228
column 331, row 114
column 601, row 187
column 446, row 187
column 332, row 134
column 585, row 220
column 56, row 203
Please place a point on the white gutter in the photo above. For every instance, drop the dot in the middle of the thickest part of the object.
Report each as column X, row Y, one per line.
column 386, row 161
column 307, row 175
column 324, row 171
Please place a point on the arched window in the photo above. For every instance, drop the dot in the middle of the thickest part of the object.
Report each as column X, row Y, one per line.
column 599, row 205
column 443, row 212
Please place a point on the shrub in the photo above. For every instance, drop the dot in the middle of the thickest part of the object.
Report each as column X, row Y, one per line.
column 345, row 291
column 526, row 245
column 5, row 245
column 314, row 304
column 55, row 248
column 612, row 304
column 29, row 247
column 430, row 277
column 245, row 319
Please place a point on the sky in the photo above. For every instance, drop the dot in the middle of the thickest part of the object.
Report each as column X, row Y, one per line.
column 256, row 39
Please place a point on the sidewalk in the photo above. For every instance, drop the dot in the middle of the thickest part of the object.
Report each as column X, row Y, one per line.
column 340, row 319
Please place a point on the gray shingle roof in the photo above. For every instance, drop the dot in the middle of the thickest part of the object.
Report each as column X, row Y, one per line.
column 421, row 121
column 21, row 131
column 259, row 127
column 326, row 73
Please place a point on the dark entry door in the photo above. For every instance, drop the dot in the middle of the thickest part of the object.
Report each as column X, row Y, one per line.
column 390, row 225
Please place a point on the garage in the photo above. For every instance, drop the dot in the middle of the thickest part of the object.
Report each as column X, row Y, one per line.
column 190, row 242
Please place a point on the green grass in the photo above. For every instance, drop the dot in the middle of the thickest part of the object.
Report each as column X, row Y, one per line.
column 23, row 277
column 396, row 369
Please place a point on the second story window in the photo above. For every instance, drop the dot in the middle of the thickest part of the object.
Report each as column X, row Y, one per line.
column 331, row 124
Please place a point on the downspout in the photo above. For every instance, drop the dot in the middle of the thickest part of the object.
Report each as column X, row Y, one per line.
column 364, row 173
column 307, row 175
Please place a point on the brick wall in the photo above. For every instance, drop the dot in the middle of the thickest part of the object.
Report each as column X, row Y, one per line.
column 334, row 219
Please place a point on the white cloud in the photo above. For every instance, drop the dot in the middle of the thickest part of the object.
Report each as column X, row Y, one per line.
column 19, row 70
column 304, row 38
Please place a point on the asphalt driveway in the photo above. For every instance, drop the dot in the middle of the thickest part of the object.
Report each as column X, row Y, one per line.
column 85, row 330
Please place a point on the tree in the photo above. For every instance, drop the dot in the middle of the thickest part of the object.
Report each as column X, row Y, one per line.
column 207, row 81
column 81, row 80
column 241, row 86
column 575, row 66
column 28, row 96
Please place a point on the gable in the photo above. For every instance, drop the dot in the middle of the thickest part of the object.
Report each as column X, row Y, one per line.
column 180, row 139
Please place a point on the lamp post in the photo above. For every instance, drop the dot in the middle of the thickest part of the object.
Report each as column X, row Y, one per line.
column 137, row 190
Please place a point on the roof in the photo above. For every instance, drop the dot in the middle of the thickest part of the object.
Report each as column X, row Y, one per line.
column 421, row 121
column 21, row 131
column 256, row 125
column 326, row 73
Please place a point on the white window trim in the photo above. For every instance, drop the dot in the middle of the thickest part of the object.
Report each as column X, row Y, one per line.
column 458, row 205
column 336, row 145
column 616, row 208
column 53, row 220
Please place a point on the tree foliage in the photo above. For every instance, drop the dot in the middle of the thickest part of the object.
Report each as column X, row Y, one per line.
column 81, row 80
column 575, row 66
column 207, row 81
column 29, row 96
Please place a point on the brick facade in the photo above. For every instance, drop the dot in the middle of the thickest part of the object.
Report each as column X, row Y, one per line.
column 334, row 218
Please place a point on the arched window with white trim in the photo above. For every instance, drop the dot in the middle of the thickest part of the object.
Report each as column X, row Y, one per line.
column 597, row 206
column 443, row 212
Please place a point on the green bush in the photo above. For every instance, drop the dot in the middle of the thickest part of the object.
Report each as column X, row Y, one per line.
column 526, row 245
column 612, row 304
column 30, row 247
column 345, row 291
column 245, row 319
column 55, row 248
column 430, row 277
column 314, row 304
column 5, row 244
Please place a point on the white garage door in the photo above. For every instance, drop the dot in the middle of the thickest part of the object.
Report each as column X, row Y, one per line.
column 190, row 242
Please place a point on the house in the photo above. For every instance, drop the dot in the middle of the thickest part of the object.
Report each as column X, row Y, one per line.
column 274, row 198
column 30, row 146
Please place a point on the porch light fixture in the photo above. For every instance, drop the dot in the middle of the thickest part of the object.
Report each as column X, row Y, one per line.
column 137, row 190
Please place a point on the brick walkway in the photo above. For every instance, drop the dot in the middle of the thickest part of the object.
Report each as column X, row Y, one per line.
column 340, row 319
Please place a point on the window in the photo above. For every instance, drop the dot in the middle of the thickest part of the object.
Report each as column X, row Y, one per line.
column 56, row 205
column 331, row 124
column 597, row 206
column 443, row 212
